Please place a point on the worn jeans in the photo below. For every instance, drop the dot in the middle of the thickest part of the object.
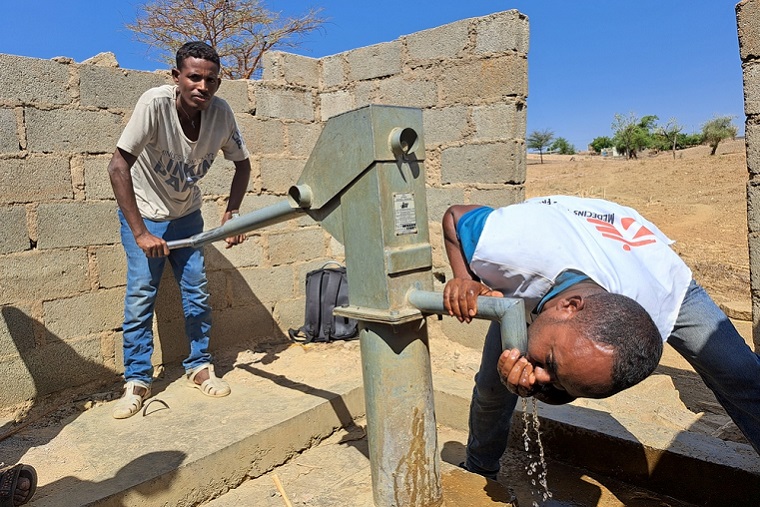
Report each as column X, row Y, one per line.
column 143, row 278
column 702, row 334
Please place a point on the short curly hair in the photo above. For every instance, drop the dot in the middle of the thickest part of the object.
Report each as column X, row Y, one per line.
column 622, row 323
column 197, row 49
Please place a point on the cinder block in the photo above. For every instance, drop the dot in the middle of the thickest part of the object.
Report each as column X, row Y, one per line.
column 440, row 43
column 267, row 285
column 494, row 163
column 31, row 80
column 446, row 125
column 439, row 200
column 111, row 265
column 72, row 131
column 84, row 314
column 218, row 180
column 501, row 121
column 240, row 327
column 9, row 141
column 279, row 174
column 249, row 254
column 35, row 179
column 302, row 137
column 335, row 103
column 498, row 197
column 334, row 71
column 748, row 24
column 283, row 103
column 97, row 182
column 16, row 329
column 270, row 66
column 291, row 246
column 753, row 210
column 336, row 250
column 235, row 93
column 51, row 368
column 502, row 32
column 41, row 275
column 108, row 87
column 752, row 88
column 14, row 236
column 477, row 81
column 300, row 70
column 420, row 92
column 77, row 224
column 289, row 314
column 375, row 61
column 752, row 143
column 470, row 335
column 263, row 136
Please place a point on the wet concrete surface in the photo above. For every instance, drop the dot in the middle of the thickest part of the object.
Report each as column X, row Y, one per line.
column 336, row 473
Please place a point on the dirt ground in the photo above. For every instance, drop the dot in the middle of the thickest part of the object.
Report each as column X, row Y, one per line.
column 697, row 200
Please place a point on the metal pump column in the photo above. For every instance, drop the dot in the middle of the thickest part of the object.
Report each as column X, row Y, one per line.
column 366, row 176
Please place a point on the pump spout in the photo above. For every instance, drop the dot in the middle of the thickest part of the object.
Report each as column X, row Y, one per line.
column 509, row 312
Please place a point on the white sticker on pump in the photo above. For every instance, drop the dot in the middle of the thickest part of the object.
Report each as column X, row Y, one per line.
column 405, row 217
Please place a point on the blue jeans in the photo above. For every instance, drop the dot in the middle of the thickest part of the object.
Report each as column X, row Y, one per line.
column 702, row 334
column 143, row 278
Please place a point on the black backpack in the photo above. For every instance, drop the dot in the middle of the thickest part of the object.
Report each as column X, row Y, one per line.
column 326, row 288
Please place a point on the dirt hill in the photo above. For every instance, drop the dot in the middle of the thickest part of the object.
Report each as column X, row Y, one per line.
column 698, row 200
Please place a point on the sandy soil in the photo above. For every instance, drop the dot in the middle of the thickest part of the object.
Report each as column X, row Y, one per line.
column 698, row 200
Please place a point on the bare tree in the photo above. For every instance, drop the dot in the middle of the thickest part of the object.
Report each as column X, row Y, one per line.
column 241, row 31
column 670, row 132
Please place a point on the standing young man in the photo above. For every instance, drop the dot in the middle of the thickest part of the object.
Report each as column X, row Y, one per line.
column 169, row 144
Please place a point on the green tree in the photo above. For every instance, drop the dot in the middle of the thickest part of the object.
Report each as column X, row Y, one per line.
column 562, row 146
column 632, row 134
column 241, row 31
column 716, row 130
column 539, row 140
column 600, row 143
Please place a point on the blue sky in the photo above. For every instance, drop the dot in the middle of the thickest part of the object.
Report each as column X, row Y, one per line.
column 588, row 59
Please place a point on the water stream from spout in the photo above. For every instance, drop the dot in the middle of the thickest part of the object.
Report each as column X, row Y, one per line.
column 536, row 468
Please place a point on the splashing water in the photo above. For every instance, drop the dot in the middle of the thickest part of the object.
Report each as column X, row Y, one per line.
column 536, row 469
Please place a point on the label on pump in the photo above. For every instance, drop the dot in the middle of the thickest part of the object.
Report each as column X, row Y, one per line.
column 405, row 218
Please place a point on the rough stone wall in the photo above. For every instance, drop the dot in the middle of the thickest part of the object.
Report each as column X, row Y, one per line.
column 62, row 269
column 748, row 23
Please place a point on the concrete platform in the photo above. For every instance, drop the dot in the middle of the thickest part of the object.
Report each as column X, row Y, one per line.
column 187, row 449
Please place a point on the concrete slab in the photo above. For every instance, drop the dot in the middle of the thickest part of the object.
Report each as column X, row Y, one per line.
column 188, row 449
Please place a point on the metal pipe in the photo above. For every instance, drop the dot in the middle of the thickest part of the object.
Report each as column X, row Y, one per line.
column 510, row 312
column 270, row 215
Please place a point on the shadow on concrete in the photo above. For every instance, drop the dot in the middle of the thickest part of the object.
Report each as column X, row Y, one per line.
column 163, row 465
column 336, row 401
column 240, row 320
column 56, row 371
column 57, row 376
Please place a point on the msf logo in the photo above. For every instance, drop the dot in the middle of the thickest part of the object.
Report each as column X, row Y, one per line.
column 632, row 235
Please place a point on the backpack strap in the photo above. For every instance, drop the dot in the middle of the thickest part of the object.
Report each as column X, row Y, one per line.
column 334, row 277
column 311, row 328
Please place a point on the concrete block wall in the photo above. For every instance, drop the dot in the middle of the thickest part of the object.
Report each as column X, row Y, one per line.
column 748, row 25
column 62, row 270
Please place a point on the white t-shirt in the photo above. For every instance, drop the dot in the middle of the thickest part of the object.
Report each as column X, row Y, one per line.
column 169, row 165
column 524, row 247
